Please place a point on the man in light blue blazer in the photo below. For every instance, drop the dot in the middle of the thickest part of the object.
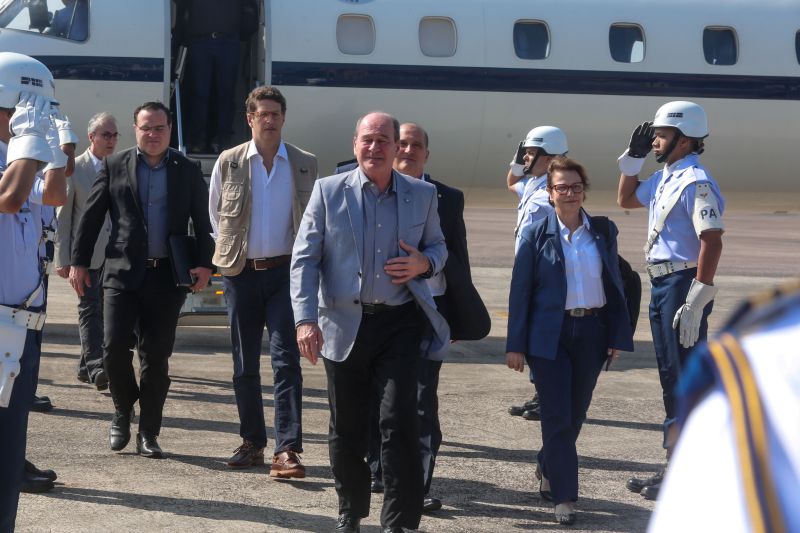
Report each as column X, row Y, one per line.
column 367, row 241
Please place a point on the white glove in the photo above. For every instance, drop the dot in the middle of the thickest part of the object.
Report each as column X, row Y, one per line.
column 690, row 314
column 517, row 164
column 59, row 158
column 64, row 127
column 28, row 127
column 630, row 166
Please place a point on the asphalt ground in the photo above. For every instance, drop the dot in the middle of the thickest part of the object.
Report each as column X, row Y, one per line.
column 485, row 471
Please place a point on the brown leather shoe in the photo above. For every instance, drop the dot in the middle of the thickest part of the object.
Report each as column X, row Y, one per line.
column 247, row 455
column 287, row 464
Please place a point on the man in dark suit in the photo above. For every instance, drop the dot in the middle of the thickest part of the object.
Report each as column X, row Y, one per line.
column 456, row 299
column 150, row 192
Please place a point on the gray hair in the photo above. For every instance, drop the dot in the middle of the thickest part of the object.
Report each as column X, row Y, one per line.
column 98, row 119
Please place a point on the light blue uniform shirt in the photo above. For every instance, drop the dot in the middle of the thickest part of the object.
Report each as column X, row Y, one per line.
column 19, row 261
column 678, row 240
column 534, row 204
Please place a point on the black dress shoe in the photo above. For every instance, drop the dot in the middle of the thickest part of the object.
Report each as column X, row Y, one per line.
column 650, row 492
column 41, row 404
column 392, row 529
column 33, row 484
column 120, row 433
column 347, row 524
column 637, row 484
column 100, row 380
column 376, row 485
column 30, row 468
column 431, row 504
column 83, row 376
column 517, row 410
column 147, row 446
column 532, row 414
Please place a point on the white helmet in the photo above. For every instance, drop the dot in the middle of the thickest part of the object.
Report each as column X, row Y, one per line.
column 688, row 117
column 20, row 73
column 550, row 139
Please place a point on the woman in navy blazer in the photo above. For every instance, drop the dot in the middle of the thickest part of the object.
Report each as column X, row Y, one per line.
column 567, row 317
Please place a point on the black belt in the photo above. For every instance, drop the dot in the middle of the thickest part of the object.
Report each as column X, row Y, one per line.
column 155, row 262
column 265, row 263
column 581, row 311
column 377, row 309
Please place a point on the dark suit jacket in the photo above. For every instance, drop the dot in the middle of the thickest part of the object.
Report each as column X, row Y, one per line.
column 464, row 310
column 539, row 291
column 116, row 191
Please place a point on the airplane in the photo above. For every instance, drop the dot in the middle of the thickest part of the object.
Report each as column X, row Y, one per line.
column 476, row 74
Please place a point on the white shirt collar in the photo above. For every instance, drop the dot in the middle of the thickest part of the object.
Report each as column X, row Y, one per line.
column 253, row 151
column 563, row 230
column 96, row 161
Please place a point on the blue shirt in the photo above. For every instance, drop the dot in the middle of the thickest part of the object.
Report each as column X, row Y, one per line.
column 678, row 240
column 534, row 204
column 19, row 238
column 153, row 199
column 380, row 244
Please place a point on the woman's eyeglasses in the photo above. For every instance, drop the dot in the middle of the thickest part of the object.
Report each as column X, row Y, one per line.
column 576, row 188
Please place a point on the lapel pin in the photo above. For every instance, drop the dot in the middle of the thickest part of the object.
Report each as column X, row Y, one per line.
column 234, row 164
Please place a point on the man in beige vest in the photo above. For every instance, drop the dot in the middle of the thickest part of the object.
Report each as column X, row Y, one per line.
column 103, row 137
column 258, row 193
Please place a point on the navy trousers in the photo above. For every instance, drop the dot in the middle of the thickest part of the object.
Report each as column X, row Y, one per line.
column 668, row 294
column 385, row 352
column 212, row 65
column 13, row 431
column 565, row 386
column 258, row 298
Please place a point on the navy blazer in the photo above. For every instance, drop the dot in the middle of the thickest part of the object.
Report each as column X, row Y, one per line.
column 539, row 291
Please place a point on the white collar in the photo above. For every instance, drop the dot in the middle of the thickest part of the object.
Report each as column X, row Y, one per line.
column 253, row 151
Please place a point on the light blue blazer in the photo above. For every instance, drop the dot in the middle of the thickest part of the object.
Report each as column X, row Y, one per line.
column 328, row 252
column 538, row 292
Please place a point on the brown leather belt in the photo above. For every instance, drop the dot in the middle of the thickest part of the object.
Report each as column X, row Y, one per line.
column 376, row 309
column 265, row 263
column 581, row 311
column 155, row 262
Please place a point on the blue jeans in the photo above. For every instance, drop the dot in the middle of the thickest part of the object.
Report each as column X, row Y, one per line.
column 565, row 386
column 668, row 294
column 13, row 430
column 258, row 298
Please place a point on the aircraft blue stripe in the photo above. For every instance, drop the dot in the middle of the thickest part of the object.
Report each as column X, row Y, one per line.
column 517, row 80
column 97, row 68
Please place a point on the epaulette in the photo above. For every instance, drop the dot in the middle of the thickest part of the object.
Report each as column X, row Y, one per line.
column 763, row 307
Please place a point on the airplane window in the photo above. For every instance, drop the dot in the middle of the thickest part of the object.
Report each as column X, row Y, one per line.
column 355, row 34
column 719, row 46
column 437, row 36
column 626, row 42
column 531, row 39
column 68, row 19
column 797, row 45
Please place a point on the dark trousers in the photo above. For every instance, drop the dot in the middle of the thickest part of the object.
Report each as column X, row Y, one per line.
column 386, row 351
column 13, row 431
column 668, row 294
column 430, row 431
column 565, row 386
column 258, row 298
column 211, row 65
column 149, row 316
column 90, row 324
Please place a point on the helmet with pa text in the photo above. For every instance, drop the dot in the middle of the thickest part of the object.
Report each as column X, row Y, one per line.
column 20, row 73
column 687, row 117
column 549, row 139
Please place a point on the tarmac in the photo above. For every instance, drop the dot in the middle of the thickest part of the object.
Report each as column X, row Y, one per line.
column 485, row 471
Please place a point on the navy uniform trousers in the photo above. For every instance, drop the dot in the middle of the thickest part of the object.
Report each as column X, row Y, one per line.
column 667, row 295
column 565, row 385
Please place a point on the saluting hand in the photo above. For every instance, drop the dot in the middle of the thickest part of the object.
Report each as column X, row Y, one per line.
column 402, row 269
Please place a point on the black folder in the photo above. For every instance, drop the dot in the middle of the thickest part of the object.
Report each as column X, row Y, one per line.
column 182, row 255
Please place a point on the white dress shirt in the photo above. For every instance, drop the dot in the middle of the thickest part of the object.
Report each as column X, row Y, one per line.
column 584, row 267
column 97, row 162
column 270, row 231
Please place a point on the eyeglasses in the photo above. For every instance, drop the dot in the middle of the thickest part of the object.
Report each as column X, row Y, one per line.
column 576, row 188
column 261, row 115
column 152, row 129
column 107, row 136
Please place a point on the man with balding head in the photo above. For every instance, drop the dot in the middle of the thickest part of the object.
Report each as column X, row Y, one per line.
column 368, row 240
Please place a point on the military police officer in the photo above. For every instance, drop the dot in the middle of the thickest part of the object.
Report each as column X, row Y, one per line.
column 684, row 242
column 26, row 104
column 527, row 178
